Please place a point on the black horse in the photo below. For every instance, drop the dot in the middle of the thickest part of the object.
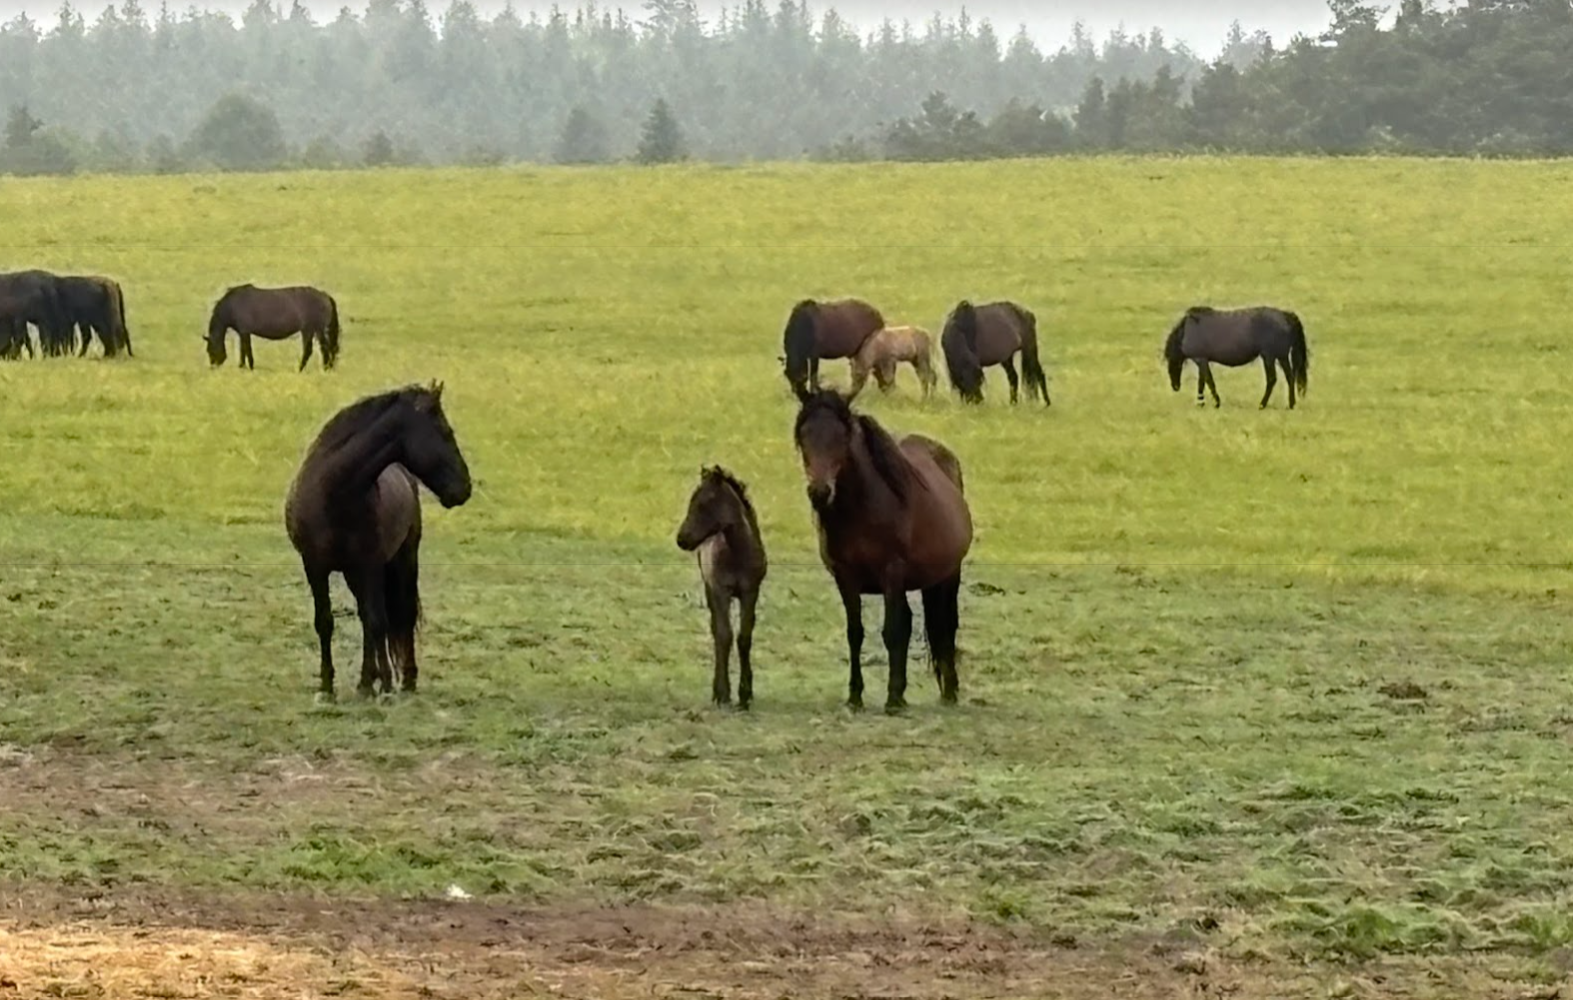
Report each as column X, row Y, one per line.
column 33, row 297
column 1235, row 337
column 354, row 508
column 96, row 305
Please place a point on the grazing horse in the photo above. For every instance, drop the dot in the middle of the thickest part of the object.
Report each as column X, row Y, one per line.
column 275, row 314
column 976, row 337
column 722, row 528
column 892, row 517
column 33, row 297
column 96, row 305
column 354, row 509
column 884, row 349
column 818, row 331
column 1235, row 337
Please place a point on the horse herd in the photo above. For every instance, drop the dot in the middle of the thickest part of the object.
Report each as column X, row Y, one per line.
column 891, row 514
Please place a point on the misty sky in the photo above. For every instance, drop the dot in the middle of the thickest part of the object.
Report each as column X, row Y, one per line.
column 1201, row 23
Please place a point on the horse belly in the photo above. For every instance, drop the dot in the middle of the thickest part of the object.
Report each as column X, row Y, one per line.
column 398, row 510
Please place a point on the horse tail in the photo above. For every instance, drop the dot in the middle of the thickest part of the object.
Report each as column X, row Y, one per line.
column 1031, row 365
column 959, row 343
column 330, row 341
column 1299, row 353
column 117, row 314
column 402, row 597
column 798, row 346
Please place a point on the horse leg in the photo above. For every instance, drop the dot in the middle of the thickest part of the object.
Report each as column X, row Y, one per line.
column 898, row 638
column 87, row 340
column 1201, row 385
column 370, row 603
column 1288, row 377
column 403, row 601
column 813, row 373
column 721, row 631
column 852, row 602
column 1272, row 380
column 745, row 649
column 305, row 349
column 247, row 359
column 1207, row 378
column 322, row 609
column 1010, row 373
column 941, row 619
column 859, row 378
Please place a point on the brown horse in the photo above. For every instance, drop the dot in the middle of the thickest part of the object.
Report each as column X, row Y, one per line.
column 818, row 331
column 885, row 348
column 354, row 508
column 275, row 314
column 1234, row 337
column 722, row 528
column 892, row 517
column 976, row 337
column 96, row 304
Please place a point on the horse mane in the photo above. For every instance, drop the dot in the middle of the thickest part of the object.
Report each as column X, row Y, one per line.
column 883, row 452
column 1171, row 347
column 360, row 414
column 717, row 474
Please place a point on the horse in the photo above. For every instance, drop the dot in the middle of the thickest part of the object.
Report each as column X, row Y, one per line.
column 976, row 337
column 354, row 508
column 818, row 331
column 1235, row 337
column 892, row 517
column 96, row 305
column 722, row 528
column 33, row 297
column 275, row 314
column 887, row 347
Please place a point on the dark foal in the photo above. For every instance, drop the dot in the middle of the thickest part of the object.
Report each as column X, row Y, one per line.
column 722, row 529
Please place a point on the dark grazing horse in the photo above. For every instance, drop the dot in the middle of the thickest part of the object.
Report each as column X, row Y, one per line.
column 33, row 297
column 721, row 527
column 818, row 331
column 976, row 337
column 1235, row 337
column 96, row 305
column 354, row 509
column 275, row 314
column 892, row 517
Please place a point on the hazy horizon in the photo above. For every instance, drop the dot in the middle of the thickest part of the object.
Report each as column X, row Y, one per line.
column 1202, row 26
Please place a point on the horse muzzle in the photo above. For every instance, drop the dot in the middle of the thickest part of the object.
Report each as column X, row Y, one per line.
column 821, row 495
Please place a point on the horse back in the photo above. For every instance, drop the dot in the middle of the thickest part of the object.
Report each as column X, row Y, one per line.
column 1002, row 329
column 843, row 326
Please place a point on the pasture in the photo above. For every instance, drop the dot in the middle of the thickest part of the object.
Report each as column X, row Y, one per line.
column 1259, row 701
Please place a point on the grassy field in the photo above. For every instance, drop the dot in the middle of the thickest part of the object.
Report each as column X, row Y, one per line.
column 1268, row 687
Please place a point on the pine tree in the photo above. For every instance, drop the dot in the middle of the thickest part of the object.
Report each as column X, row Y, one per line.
column 583, row 139
column 661, row 139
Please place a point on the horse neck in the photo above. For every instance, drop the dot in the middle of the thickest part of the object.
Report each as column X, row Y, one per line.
column 356, row 464
column 739, row 530
column 860, row 486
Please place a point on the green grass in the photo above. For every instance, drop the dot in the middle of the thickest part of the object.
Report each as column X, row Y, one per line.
column 1177, row 627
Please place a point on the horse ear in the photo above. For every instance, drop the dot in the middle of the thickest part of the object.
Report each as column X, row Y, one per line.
column 436, row 390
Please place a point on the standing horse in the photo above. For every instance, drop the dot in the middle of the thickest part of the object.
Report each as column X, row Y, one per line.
column 892, row 517
column 976, row 337
column 33, row 297
column 354, row 508
column 885, row 348
column 275, row 314
column 818, row 331
column 1235, row 337
column 96, row 305
column 722, row 528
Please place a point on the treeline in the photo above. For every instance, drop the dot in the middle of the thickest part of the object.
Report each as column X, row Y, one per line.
column 131, row 92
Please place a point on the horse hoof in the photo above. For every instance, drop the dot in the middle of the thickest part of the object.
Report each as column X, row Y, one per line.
column 896, row 707
column 854, row 704
column 324, row 698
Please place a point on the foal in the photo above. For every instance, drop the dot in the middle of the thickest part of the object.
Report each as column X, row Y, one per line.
column 722, row 527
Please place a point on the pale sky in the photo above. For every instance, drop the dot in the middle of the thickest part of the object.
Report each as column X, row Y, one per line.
column 1200, row 23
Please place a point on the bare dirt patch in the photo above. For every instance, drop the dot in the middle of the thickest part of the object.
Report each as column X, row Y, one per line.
column 163, row 943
